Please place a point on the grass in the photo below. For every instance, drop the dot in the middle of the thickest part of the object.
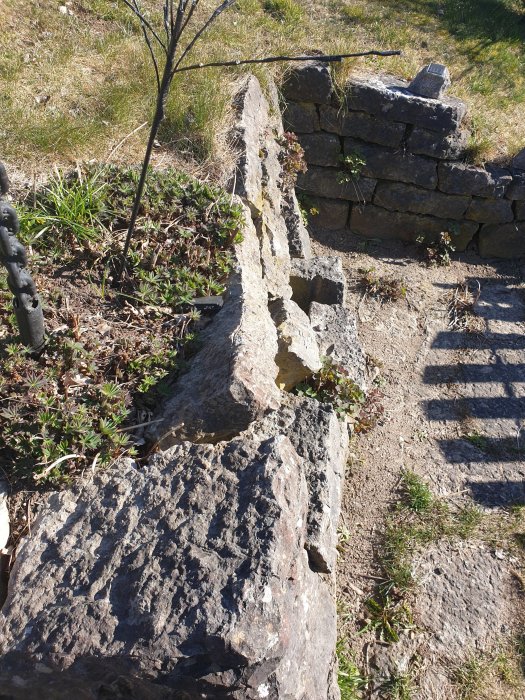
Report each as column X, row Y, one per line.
column 74, row 86
column 111, row 355
column 492, row 676
column 352, row 682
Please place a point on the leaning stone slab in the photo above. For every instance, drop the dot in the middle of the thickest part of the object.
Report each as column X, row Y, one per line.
column 400, row 197
column 459, row 178
column 336, row 331
column 190, row 572
column 375, row 222
column 321, row 440
column 490, row 211
column 502, row 240
column 308, row 82
column 221, row 395
column 331, row 214
column 297, row 355
column 335, row 184
column 431, row 81
column 321, row 149
column 386, row 164
column 318, row 279
column 298, row 237
column 390, row 98
column 428, row 143
column 363, row 126
column 300, row 117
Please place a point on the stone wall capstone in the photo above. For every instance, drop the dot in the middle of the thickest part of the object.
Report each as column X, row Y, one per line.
column 386, row 161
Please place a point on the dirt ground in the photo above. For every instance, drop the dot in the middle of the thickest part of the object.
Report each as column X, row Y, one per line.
column 453, row 389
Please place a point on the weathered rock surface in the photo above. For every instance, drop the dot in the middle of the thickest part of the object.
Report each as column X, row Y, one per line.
column 298, row 238
column 428, row 143
column 361, row 126
column 192, row 570
column 309, row 82
column 458, row 178
column 336, row 331
column 331, row 214
column 401, row 197
column 519, row 160
column 431, row 81
column 390, row 98
column 321, row 149
column 4, row 514
column 393, row 165
column 516, row 189
column 317, row 279
column 490, row 211
column 502, row 240
column 335, row 184
column 300, row 117
column 298, row 355
column 375, row 222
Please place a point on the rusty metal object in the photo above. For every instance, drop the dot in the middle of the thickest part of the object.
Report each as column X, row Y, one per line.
column 26, row 302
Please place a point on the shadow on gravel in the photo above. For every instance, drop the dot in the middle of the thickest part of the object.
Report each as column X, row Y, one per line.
column 498, row 494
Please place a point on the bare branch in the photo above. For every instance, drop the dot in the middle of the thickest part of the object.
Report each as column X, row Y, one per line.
column 190, row 14
column 152, row 54
column 274, row 59
column 133, row 6
column 219, row 10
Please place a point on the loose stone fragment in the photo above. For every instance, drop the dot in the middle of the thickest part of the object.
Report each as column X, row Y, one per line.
column 431, row 81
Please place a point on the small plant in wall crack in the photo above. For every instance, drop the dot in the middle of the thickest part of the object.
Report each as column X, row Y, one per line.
column 351, row 167
column 291, row 158
column 437, row 253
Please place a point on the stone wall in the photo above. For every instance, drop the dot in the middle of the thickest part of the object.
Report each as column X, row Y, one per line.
column 407, row 155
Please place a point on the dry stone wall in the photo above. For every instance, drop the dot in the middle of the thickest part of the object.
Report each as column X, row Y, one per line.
column 387, row 163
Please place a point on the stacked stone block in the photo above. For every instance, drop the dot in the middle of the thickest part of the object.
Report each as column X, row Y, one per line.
column 410, row 179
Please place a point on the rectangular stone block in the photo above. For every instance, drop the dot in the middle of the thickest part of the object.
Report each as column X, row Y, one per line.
column 335, row 184
column 375, row 222
column 389, row 98
column 516, row 189
column 490, row 211
column 321, row 149
column 393, row 165
column 332, row 214
column 519, row 208
column 308, row 82
column 300, row 117
column 401, row 197
column 361, row 126
column 459, row 178
column 502, row 240
column 429, row 143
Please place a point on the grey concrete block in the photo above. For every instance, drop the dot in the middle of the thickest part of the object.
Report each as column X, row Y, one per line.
column 393, row 165
column 459, row 178
column 335, row 184
column 300, row 117
column 389, row 98
column 362, row 126
column 308, row 82
column 402, row 197
column 332, row 214
column 321, row 149
column 429, row 143
column 375, row 222
column 502, row 240
column 490, row 211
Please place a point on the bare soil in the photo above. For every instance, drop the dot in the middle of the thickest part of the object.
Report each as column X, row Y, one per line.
column 449, row 358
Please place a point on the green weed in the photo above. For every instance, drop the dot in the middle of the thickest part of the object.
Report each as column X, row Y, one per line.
column 350, row 679
column 416, row 494
column 283, row 10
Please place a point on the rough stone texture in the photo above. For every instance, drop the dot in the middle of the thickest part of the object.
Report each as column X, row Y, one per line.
column 300, row 117
column 428, row 143
column 321, row 149
column 4, row 514
column 490, row 211
column 335, row 184
column 308, row 82
column 519, row 160
column 321, row 441
column 375, row 222
column 520, row 211
column 298, row 238
column 332, row 214
column 221, row 395
column 191, row 570
column 389, row 98
column 458, row 178
column 317, row 279
column 298, row 355
column 361, row 126
column 393, row 165
column 516, row 189
column 502, row 240
column 431, row 81
column 336, row 331
column 401, row 197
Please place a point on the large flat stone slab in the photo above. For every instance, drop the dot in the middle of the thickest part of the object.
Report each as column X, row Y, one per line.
column 401, row 197
column 334, row 183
